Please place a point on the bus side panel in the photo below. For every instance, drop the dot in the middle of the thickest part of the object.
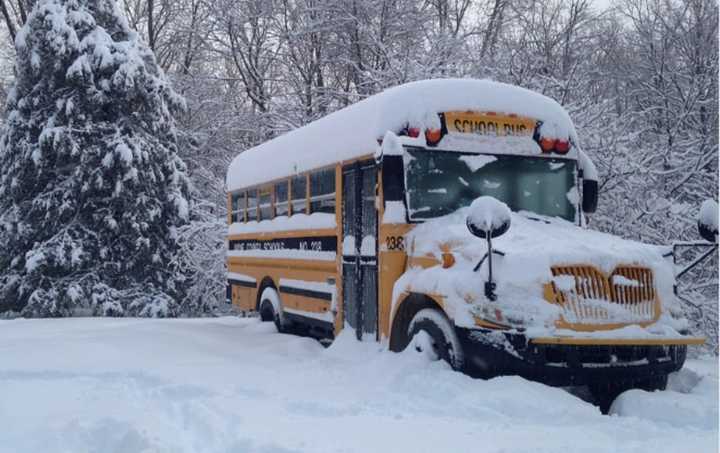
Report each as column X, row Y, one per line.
column 243, row 298
column 392, row 266
column 303, row 303
column 279, row 270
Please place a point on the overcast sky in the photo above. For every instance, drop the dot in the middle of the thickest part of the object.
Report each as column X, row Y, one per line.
column 602, row 3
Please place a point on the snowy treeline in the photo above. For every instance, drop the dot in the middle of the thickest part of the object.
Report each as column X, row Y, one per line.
column 638, row 77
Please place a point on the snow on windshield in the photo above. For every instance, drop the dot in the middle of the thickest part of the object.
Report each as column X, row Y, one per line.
column 439, row 182
column 476, row 162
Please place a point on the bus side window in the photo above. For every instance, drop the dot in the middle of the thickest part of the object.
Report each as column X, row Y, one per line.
column 299, row 194
column 238, row 207
column 265, row 203
column 252, row 203
column 281, row 198
column 322, row 191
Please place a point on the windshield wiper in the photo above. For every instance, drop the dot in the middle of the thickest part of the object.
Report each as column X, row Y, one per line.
column 537, row 219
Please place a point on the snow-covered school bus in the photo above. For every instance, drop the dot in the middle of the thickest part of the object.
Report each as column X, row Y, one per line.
column 449, row 216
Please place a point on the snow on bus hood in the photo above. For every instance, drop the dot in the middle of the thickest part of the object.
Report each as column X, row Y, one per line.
column 532, row 246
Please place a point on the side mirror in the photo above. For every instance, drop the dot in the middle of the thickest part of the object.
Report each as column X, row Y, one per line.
column 708, row 221
column 488, row 218
column 589, row 196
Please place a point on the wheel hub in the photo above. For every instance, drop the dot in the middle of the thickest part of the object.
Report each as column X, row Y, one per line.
column 424, row 344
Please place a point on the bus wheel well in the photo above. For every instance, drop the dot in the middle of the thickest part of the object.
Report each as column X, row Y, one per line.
column 266, row 282
column 409, row 307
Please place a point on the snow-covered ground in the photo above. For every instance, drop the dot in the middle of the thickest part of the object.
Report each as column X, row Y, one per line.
column 235, row 385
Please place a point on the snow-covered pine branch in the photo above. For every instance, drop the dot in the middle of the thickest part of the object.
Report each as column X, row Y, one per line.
column 92, row 190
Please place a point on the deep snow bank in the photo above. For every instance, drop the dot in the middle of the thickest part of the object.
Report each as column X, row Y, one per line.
column 235, row 385
column 683, row 404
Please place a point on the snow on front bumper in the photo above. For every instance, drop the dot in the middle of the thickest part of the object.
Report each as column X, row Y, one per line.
column 630, row 335
column 572, row 360
column 656, row 335
column 595, row 341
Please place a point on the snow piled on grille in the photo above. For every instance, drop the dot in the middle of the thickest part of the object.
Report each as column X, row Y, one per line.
column 532, row 245
column 236, row 385
column 355, row 130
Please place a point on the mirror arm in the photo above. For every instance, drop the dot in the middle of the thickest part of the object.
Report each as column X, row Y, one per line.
column 478, row 265
column 489, row 284
column 490, row 290
column 696, row 261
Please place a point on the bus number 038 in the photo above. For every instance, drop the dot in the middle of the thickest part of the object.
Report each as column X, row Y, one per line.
column 395, row 243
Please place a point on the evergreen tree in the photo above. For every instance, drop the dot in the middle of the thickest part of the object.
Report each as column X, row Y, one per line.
column 91, row 186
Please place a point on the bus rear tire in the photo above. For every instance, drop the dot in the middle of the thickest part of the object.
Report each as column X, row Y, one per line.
column 432, row 334
column 271, row 309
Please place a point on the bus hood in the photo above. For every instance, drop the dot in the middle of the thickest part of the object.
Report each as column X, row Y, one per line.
column 532, row 246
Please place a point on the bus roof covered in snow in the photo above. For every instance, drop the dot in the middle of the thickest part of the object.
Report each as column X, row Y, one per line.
column 355, row 130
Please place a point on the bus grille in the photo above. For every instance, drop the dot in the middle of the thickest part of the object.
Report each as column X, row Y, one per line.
column 626, row 296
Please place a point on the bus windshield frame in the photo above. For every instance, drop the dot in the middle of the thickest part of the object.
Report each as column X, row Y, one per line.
column 438, row 182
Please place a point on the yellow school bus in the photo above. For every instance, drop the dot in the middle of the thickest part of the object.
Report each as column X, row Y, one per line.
column 362, row 221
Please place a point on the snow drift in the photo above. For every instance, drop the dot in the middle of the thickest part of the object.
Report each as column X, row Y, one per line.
column 235, row 385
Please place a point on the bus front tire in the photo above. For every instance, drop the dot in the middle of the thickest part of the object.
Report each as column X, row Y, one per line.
column 432, row 334
column 270, row 309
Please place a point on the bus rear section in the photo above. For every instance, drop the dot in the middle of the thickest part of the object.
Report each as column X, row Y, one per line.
column 283, row 251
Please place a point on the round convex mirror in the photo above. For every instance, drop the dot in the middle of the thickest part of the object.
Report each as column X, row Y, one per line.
column 488, row 217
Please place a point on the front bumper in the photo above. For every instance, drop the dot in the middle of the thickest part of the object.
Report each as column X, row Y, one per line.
column 562, row 361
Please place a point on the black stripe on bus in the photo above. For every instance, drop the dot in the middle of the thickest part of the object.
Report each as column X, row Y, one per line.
column 309, row 244
column 328, row 328
column 242, row 283
column 306, row 292
column 364, row 260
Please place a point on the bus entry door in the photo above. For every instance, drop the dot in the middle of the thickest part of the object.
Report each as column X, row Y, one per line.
column 359, row 249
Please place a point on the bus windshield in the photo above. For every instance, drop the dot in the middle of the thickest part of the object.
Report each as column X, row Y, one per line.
column 440, row 182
